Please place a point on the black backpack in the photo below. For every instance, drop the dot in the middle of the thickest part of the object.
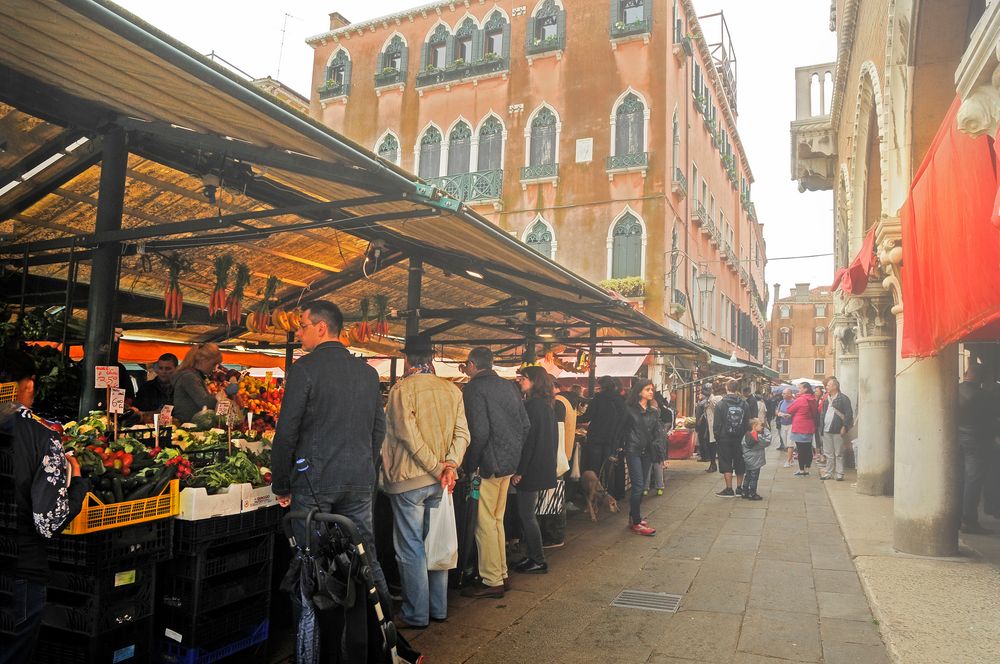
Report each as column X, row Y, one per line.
column 732, row 425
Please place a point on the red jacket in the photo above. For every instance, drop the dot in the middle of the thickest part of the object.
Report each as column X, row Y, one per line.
column 803, row 411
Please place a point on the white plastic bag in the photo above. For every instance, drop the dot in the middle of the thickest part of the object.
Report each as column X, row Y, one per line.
column 574, row 470
column 441, row 543
column 562, row 463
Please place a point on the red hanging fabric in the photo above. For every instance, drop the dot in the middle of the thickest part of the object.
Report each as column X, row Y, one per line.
column 951, row 252
column 853, row 279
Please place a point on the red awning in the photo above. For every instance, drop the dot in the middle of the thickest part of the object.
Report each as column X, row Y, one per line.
column 853, row 279
column 951, row 253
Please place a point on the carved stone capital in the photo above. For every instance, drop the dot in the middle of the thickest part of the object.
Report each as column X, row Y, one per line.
column 873, row 314
column 844, row 328
column 889, row 248
column 980, row 112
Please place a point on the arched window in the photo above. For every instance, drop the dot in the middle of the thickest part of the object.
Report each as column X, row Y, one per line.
column 490, row 145
column 392, row 62
column 675, row 150
column 496, row 36
column 429, row 160
column 784, row 311
column 544, row 135
column 785, row 337
column 630, row 17
column 388, row 148
column 338, row 75
column 626, row 248
column 459, row 149
column 819, row 336
column 546, row 27
column 541, row 238
column 436, row 49
column 630, row 120
column 467, row 38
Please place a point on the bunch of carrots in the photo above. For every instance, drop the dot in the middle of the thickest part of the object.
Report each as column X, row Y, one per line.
column 363, row 329
column 217, row 302
column 172, row 298
column 260, row 320
column 234, row 303
column 381, row 328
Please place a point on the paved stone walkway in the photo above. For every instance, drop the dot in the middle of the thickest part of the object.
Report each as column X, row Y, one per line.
column 768, row 581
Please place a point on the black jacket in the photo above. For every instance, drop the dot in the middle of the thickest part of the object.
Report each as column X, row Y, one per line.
column 44, row 504
column 331, row 415
column 975, row 418
column 537, row 467
column 154, row 395
column 642, row 432
column 498, row 425
column 721, row 415
column 846, row 418
column 604, row 414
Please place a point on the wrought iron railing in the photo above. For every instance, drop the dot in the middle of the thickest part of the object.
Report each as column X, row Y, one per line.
column 622, row 29
column 478, row 186
column 680, row 182
column 700, row 214
column 388, row 77
column 332, row 89
column 456, row 72
column 715, row 237
column 536, row 46
column 540, row 172
column 618, row 162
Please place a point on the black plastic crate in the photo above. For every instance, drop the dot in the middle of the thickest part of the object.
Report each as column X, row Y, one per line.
column 114, row 581
column 131, row 644
column 149, row 542
column 8, row 510
column 148, row 436
column 93, row 615
column 207, row 456
column 171, row 653
column 6, row 462
column 192, row 537
column 206, row 595
column 214, row 628
column 223, row 558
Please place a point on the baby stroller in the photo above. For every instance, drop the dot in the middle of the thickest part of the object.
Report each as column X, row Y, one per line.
column 341, row 618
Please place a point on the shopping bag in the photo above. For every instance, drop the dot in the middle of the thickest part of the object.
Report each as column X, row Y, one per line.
column 562, row 463
column 551, row 501
column 441, row 543
column 574, row 466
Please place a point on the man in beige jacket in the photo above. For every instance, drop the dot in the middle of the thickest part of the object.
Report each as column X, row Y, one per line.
column 426, row 438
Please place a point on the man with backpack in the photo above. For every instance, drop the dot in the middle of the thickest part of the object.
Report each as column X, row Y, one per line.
column 731, row 422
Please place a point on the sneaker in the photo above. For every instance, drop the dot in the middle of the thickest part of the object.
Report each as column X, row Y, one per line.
column 640, row 529
column 801, row 473
column 659, row 492
column 826, row 477
column 726, row 493
column 840, row 479
column 533, row 568
column 754, row 496
column 712, row 468
column 554, row 545
column 788, row 464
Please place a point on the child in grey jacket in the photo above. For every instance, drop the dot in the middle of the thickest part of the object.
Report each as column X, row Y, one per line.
column 755, row 442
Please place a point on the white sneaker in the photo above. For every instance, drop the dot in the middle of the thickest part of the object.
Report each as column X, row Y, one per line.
column 788, row 464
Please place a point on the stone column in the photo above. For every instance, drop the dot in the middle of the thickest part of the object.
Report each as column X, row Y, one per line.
column 845, row 349
column 877, row 377
column 927, row 486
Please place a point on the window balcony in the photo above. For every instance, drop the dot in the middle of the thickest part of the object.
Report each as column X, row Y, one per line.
column 623, row 163
column 460, row 70
column 547, row 45
column 714, row 237
column 622, row 30
column 389, row 76
column 744, row 277
column 682, row 47
column 539, row 173
column 700, row 215
column 471, row 187
column 332, row 89
column 745, row 201
column 814, row 138
column 679, row 183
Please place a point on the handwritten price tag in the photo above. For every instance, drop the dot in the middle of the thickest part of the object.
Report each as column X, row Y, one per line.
column 117, row 403
column 166, row 413
column 223, row 408
column 105, row 376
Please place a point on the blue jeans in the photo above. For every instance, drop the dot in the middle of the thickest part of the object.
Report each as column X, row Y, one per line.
column 25, row 613
column 750, row 481
column 975, row 462
column 425, row 592
column 356, row 506
column 638, row 469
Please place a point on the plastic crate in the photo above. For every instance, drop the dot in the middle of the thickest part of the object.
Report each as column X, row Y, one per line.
column 6, row 462
column 199, row 596
column 8, row 509
column 131, row 644
column 194, row 536
column 212, row 629
column 148, row 436
column 148, row 542
column 171, row 653
column 224, row 558
column 96, row 516
column 118, row 580
column 94, row 615
column 197, row 504
column 207, row 456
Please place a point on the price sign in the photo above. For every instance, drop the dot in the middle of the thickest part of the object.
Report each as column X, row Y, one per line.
column 105, row 376
column 268, row 375
column 166, row 413
column 117, row 401
column 223, row 408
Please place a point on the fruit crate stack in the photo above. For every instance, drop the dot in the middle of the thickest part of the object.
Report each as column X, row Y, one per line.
column 215, row 596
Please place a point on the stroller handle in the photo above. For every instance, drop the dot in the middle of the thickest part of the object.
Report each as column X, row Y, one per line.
column 345, row 523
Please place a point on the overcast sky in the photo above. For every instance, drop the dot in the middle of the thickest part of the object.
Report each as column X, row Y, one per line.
column 770, row 40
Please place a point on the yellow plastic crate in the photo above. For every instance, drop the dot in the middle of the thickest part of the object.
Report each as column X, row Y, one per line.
column 95, row 515
column 7, row 392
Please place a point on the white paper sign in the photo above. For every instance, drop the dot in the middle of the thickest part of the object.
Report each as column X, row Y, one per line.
column 166, row 413
column 105, row 376
column 223, row 408
column 117, row 404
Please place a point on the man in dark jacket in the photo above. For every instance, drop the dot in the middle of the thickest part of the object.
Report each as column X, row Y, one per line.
column 498, row 427
column 330, row 431
column 836, row 418
column 155, row 394
column 603, row 417
column 731, row 422
column 48, row 493
column 975, row 435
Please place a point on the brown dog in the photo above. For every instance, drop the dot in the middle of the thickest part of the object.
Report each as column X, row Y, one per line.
column 596, row 494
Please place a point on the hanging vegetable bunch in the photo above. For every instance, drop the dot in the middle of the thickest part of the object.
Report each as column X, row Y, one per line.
column 173, row 300
column 259, row 320
column 217, row 303
column 381, row 328
column 234, row 303
column 363, row 329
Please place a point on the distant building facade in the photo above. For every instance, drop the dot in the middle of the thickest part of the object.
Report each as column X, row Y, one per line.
column 600, row 132
column 801, row 344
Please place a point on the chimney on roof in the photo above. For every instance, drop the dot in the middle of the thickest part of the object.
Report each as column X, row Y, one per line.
column 777, row 291
column 801, row 292
column 337, row 20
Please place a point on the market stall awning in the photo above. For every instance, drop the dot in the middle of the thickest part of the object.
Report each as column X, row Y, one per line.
column 293, row 198
column 951, row 253
column 619, row 359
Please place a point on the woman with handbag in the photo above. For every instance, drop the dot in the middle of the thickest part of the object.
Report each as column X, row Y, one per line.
column 536, row 471
column 639, row 438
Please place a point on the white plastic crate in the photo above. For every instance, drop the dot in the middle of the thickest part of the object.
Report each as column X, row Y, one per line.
column 256, row 498
column 196, row 504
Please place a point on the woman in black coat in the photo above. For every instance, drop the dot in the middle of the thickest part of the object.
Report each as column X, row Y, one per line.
column 604, row 415
column 537, row 469
column 640, row 435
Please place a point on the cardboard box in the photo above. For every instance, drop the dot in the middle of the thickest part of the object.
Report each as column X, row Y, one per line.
column 196, row 504
column 256, row 498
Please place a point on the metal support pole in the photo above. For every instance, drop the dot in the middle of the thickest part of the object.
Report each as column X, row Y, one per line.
column 413, row 288
column 24, row 288
column 592, row 374
column 67, row 313
column 530, row 350
column 392, row 371
column 98, row 348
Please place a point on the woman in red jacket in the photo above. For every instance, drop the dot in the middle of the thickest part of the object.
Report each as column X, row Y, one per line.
column 804, row 412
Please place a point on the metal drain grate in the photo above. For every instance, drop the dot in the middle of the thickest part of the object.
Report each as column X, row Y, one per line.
column 640, row 599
